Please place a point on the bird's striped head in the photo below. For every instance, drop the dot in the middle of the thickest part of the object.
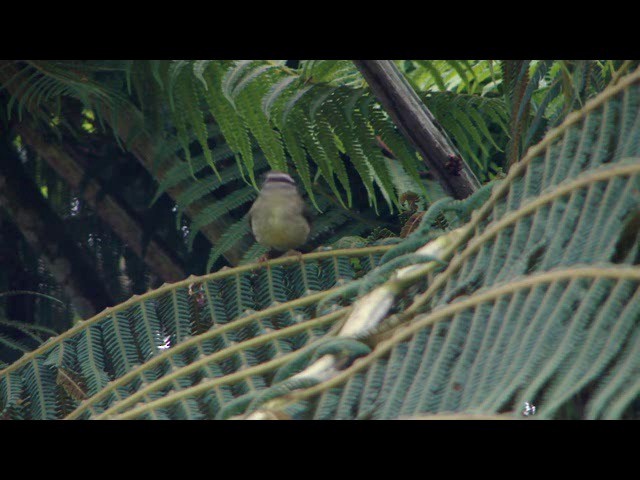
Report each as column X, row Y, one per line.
column 280, row 180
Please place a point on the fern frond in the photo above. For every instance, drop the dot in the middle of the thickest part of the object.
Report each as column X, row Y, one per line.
column 204, row 328
column 526, row 308
column 230, row 202
column 236, row 231
column 231, row 125
column 182, row 171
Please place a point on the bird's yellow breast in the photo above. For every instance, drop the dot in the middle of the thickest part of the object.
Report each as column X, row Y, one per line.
column 280, row 227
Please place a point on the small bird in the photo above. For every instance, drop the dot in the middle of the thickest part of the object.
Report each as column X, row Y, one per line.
column 279, row 217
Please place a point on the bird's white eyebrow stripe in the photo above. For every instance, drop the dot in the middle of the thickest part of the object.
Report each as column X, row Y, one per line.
column 280, row 177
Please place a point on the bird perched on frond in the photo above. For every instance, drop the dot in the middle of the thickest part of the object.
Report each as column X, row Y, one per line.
column 279, row 217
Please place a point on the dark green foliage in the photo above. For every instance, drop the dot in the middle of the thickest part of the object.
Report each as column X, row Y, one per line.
column 318, row 119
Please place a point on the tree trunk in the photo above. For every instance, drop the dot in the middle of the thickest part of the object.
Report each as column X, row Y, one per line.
column 418, row 125
column 109, row 207
column 46, row 233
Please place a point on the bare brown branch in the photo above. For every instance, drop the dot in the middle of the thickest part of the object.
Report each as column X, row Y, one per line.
column 46, row 233
column 111, row 209
column 418, row 125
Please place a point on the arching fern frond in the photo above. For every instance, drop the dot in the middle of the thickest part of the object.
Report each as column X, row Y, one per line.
column 179, row 336
column 534, row 305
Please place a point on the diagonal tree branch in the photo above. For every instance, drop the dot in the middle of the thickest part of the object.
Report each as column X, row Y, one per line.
column 126, row 123
column 111, row 209
column 144, row 149
column 418, row 125
column 46, row 233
